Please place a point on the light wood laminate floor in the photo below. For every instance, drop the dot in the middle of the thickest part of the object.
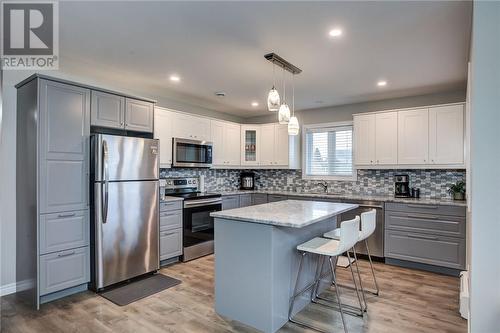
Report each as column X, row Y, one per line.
column 410, row 301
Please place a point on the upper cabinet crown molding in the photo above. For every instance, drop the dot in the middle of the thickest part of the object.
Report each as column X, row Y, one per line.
column 425, row 137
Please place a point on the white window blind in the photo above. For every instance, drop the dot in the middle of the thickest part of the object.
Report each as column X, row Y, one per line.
column 328, row 152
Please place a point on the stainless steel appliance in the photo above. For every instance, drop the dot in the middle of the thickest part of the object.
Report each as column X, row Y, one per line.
column 247, row 180
column 375, row 241
column 192, row 153
column 402, row 186
column 125, row 226
column 198, row 226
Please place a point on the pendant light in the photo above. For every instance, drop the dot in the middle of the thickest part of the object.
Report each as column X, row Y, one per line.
column 284, row 111
column 293, row 124
column 273, row 98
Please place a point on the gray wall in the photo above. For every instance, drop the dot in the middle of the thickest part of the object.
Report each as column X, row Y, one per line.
column 344, row 112
column 8, row 155
column 485, row 178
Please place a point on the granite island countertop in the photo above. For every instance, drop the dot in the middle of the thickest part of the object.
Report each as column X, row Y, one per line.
column 334, row 196
column 287, row 213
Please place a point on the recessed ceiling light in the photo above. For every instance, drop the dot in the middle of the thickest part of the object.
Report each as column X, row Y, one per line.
column 255, row 104
column 382, row 83
column 335, row 32
column 175, row 78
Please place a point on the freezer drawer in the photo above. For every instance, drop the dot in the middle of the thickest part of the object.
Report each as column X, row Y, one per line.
column 170, row 220
column 424, row 248
column 127, row 231
column 63, row 231
column 170, row 244
column 64, row 269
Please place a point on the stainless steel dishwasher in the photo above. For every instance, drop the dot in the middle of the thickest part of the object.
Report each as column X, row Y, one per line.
column 375, row 241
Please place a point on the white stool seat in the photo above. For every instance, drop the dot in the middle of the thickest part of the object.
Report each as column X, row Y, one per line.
column 335, row 234
column 323, row 246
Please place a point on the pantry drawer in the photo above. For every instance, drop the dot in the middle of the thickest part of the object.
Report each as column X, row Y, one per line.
column 453, row 226
column 62, row 270
column 63, row 231
column 426, row 209
column 424, row 248
column 170, row 244
column 170, row 219
column 170, row 205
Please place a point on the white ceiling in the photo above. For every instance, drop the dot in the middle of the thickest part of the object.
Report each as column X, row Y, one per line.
column 418, row 47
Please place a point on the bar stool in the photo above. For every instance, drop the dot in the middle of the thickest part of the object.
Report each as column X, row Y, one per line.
column 368, row 225
column 325, row 248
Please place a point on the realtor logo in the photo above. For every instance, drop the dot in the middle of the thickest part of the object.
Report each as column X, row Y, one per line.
column 30, row 35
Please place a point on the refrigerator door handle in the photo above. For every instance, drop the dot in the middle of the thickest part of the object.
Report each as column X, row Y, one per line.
column 105, row 183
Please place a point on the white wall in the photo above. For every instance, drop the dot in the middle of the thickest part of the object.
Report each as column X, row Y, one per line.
column 485, row 175
column 8, row 157
column 344, row 112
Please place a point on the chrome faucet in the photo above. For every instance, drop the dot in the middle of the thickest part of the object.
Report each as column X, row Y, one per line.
column 325, row 186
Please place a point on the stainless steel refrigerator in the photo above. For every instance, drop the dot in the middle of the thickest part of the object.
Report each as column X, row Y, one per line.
column 125, row 203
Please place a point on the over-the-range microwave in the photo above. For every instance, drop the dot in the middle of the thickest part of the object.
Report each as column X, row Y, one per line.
column 191, row 153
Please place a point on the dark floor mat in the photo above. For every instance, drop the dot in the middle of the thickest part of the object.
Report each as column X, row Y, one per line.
column 136, row 290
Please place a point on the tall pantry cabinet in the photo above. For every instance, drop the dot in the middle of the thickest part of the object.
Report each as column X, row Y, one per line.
column 52, row 182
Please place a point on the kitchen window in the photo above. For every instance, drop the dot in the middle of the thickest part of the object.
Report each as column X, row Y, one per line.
column 328, row 152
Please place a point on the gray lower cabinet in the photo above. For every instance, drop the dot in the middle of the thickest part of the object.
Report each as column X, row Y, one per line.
column 245, row 200
column 170, row 244
column 62, row 270
column 63, row 231
column 171, row 219
column 230, row 201
column 138, row 115
column 426, row 234
column 276, row 197
column 170, row 229
column 259, row 198
column 108, row 110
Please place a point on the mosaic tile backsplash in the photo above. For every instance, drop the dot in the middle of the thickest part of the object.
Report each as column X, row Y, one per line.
column 432, row 183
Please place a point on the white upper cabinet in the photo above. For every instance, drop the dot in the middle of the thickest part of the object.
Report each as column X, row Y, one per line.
column 413, row 137
column 191, row 127
column 267, row 137
column 226, row 141
column 163, row 132
column 250, row 144
column 446, row 134
column 386, row 138
column 364, row 139
column 281, row 145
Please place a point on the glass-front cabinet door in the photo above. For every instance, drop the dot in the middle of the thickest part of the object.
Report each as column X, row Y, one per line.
column 250, row 140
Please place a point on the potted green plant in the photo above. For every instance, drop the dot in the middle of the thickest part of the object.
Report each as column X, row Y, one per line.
column 457, row 190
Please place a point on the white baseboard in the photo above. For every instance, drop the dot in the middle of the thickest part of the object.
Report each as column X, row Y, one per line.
column 8, row 289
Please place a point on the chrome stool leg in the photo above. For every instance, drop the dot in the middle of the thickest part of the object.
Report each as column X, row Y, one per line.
column 354, row 280
column 360, row 281
column 371, row 266
column 337, row 291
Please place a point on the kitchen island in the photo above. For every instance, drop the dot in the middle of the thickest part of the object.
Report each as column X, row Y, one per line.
column 256, row 260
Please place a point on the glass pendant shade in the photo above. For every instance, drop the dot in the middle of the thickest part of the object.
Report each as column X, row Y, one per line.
column 273, row 100
column 293, row 126
column 284, row 114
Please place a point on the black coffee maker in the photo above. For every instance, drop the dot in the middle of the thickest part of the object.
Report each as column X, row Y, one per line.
column 247, row 180
column 402, row 186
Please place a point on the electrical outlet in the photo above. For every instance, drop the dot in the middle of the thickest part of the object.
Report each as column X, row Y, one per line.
column 289, row 180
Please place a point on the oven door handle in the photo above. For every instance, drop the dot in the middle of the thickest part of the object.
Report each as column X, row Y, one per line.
column 205, row 202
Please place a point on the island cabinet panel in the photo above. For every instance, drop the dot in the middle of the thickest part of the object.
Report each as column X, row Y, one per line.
column 108, row 110
column 426, row 234
column 230, row 202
